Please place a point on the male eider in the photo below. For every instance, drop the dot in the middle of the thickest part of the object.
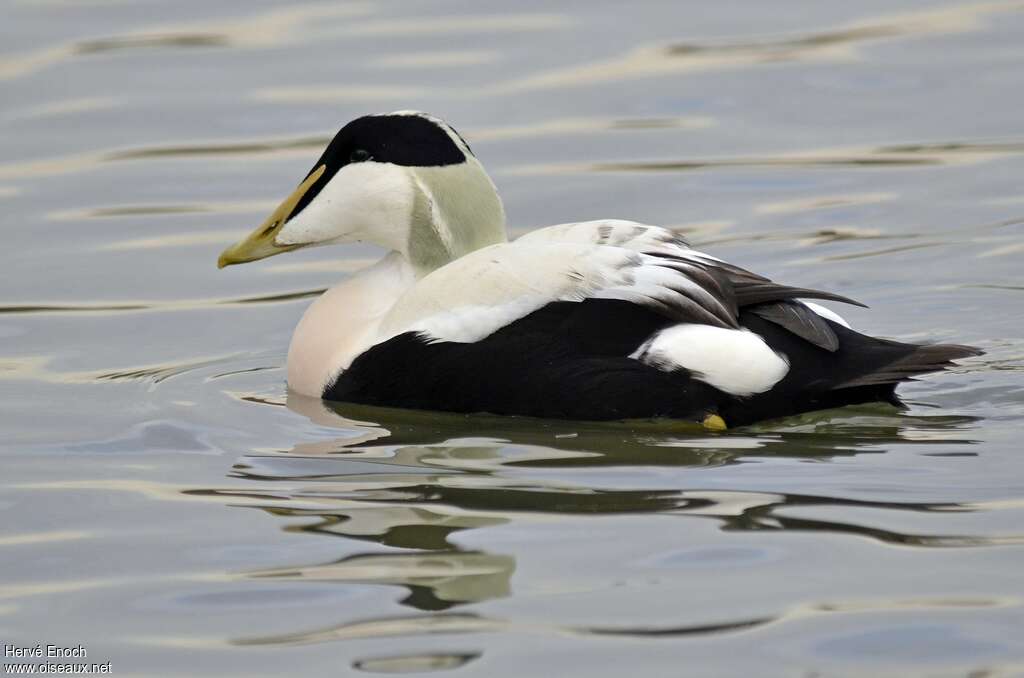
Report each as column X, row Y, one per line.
column 596, row 320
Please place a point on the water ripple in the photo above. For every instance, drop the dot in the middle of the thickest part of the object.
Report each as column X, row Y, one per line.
column 151, row 41
column 883, row 157
column 415, row 663
column 162, row 305
column 827, row 44
column 264, row 29
column 456, row 623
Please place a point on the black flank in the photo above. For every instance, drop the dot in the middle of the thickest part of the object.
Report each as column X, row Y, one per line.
column 569, row 360
column 857, row 371
column 566, row 360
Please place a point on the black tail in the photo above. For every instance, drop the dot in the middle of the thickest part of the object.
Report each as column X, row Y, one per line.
column 921, row 359
column 862, row 369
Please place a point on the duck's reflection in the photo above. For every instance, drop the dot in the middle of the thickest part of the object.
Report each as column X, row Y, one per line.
column 437, row 573
column 436, row 580
column 411, row 480
column 490, row 443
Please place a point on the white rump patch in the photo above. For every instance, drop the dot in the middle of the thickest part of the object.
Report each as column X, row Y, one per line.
column 827, row 314
column 735, row 361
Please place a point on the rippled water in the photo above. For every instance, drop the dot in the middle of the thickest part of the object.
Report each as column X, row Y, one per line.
column 168, row 505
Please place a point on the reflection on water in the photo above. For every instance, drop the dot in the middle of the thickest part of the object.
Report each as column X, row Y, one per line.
column 424, row 438
column 413, row 481
column 170, row 506
column 436, row 580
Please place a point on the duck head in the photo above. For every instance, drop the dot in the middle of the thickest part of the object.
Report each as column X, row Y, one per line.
column 405, row 181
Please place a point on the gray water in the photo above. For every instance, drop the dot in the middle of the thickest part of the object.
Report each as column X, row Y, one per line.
column 167, row 505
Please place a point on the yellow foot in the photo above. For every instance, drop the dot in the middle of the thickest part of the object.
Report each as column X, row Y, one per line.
column 713, row 422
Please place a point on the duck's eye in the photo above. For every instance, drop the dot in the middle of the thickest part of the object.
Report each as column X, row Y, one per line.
column 359, row 155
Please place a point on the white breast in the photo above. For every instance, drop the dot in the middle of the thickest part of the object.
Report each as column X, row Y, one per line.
column 343, row 322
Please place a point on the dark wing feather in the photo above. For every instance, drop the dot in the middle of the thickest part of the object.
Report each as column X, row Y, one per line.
column 735, row 288
column 749, row 293
column 801, row 321
column 779, row 304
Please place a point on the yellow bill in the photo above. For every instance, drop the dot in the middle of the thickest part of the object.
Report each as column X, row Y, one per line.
column 260, row 243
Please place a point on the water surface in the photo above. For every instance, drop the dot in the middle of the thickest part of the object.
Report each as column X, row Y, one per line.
column 168, row 505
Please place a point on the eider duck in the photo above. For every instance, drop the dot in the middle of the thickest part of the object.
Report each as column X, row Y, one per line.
column 598, row 320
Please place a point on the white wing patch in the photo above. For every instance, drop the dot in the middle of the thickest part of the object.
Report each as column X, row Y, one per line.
column 735, row 361
column 468, row 324
column 492, row 287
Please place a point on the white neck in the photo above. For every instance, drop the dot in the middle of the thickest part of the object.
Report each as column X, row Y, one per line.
column 454, row 210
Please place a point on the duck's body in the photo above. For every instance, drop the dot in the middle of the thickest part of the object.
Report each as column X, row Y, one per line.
column 595, row 320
